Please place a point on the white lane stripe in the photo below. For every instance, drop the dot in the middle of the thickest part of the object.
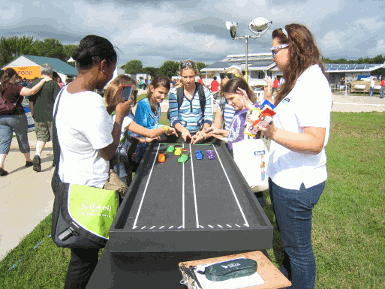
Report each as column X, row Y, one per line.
column 143, row 227
column 232, row 189
column 237, row 225
column 145, row 189
column 161, row 227
column 354, row 103
column 183, row 198
column 220, row 226
column 152, row 227
column 171, row 227
column 195, row 195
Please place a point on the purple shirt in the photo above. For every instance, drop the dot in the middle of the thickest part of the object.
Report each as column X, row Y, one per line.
column 237, row 126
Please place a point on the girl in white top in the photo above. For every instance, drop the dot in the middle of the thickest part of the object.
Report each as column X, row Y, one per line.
column 112, row 97
column 299, row 133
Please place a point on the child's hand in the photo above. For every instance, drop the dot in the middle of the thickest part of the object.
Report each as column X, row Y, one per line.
column 245, row 98
column 171, row 131
column 186, row 134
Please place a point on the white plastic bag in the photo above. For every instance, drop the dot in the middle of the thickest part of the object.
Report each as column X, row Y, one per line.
column 251, row 157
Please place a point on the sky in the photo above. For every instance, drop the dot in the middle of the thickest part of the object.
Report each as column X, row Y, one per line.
column 156, row 31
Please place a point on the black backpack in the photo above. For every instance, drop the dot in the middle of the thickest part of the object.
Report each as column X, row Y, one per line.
column 180, row 95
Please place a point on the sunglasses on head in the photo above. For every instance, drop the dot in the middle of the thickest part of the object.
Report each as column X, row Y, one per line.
column 228, row 75
column 273, row 52
column 187, row 64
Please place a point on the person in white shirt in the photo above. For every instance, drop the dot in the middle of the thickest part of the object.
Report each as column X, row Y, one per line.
column 88, row 139
column 299, row 133
column 372, row 85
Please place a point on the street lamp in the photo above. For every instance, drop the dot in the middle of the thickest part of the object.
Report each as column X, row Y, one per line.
column 258, row 26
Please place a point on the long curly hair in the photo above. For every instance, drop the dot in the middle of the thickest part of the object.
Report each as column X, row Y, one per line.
column 303, row 53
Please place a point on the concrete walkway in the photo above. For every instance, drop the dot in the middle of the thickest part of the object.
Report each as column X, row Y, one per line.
column 26, row 197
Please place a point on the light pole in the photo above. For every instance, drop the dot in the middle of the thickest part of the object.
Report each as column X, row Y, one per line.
column 258, row 26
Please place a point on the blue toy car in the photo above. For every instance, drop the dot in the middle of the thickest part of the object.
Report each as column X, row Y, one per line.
column 199, row 155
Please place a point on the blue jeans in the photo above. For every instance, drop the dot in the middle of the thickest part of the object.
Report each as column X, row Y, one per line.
column 382, row 91
column 293, row 212
column 371, row 91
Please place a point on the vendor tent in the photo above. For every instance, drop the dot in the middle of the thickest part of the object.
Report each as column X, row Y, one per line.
column 28, row 66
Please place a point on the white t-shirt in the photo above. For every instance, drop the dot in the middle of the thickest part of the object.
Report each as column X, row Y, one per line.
column 83, row 127
column 126, row 122
column 307, row 105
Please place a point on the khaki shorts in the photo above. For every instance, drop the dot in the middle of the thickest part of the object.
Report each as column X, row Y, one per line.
column 44, row 130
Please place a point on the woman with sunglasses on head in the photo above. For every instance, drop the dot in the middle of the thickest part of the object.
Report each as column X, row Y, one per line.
column 191, row 116
column 299, row 133
column 144, row 134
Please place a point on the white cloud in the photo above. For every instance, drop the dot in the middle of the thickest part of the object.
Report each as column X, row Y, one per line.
column 8, row 14
column 369, row 23
column 332, row 40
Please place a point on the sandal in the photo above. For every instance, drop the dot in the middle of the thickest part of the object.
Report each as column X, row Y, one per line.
column 3, row 172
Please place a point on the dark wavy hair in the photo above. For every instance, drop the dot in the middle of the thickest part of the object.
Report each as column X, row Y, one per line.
column 92, row 50
column 303, row 53
column 232, row 85
column 159, row 80
column 8, row 74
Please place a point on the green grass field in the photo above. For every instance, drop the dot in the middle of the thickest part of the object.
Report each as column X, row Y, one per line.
column 348, row 222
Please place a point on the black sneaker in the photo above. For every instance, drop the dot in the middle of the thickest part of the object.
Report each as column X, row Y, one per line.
column 36, row 164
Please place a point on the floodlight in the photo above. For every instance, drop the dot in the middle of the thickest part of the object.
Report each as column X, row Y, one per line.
column 259, row 25
column 232, row 27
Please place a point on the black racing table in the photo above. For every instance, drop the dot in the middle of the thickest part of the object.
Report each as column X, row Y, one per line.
column 178, row 212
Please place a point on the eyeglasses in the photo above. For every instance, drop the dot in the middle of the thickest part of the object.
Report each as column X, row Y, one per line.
column 187, row 64
column 273, row 52
column 228, row 75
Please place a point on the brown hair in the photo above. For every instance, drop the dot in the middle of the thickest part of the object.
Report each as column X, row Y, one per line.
column 114, row 89
column 180, row 83
column 159, row 80
column 233, row 84
column 236, row 71
column 303, row 53
column 8, row 74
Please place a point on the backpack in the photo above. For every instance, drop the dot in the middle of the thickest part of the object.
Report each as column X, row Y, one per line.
column 7, row 107
column 180, row 95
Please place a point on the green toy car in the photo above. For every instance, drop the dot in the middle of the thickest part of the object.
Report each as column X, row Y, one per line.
column 170, row 149
column 183, row 158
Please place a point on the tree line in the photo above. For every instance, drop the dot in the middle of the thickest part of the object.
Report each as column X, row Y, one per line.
column 169, row 68
column 379, row 59
column 13, row 47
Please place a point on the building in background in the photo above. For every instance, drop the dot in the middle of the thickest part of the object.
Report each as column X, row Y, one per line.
column 262, row 64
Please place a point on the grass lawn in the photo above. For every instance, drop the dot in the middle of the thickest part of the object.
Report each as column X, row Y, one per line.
column 348, row 222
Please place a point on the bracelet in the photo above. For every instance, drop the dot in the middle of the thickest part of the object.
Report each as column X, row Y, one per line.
column 165, row 128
